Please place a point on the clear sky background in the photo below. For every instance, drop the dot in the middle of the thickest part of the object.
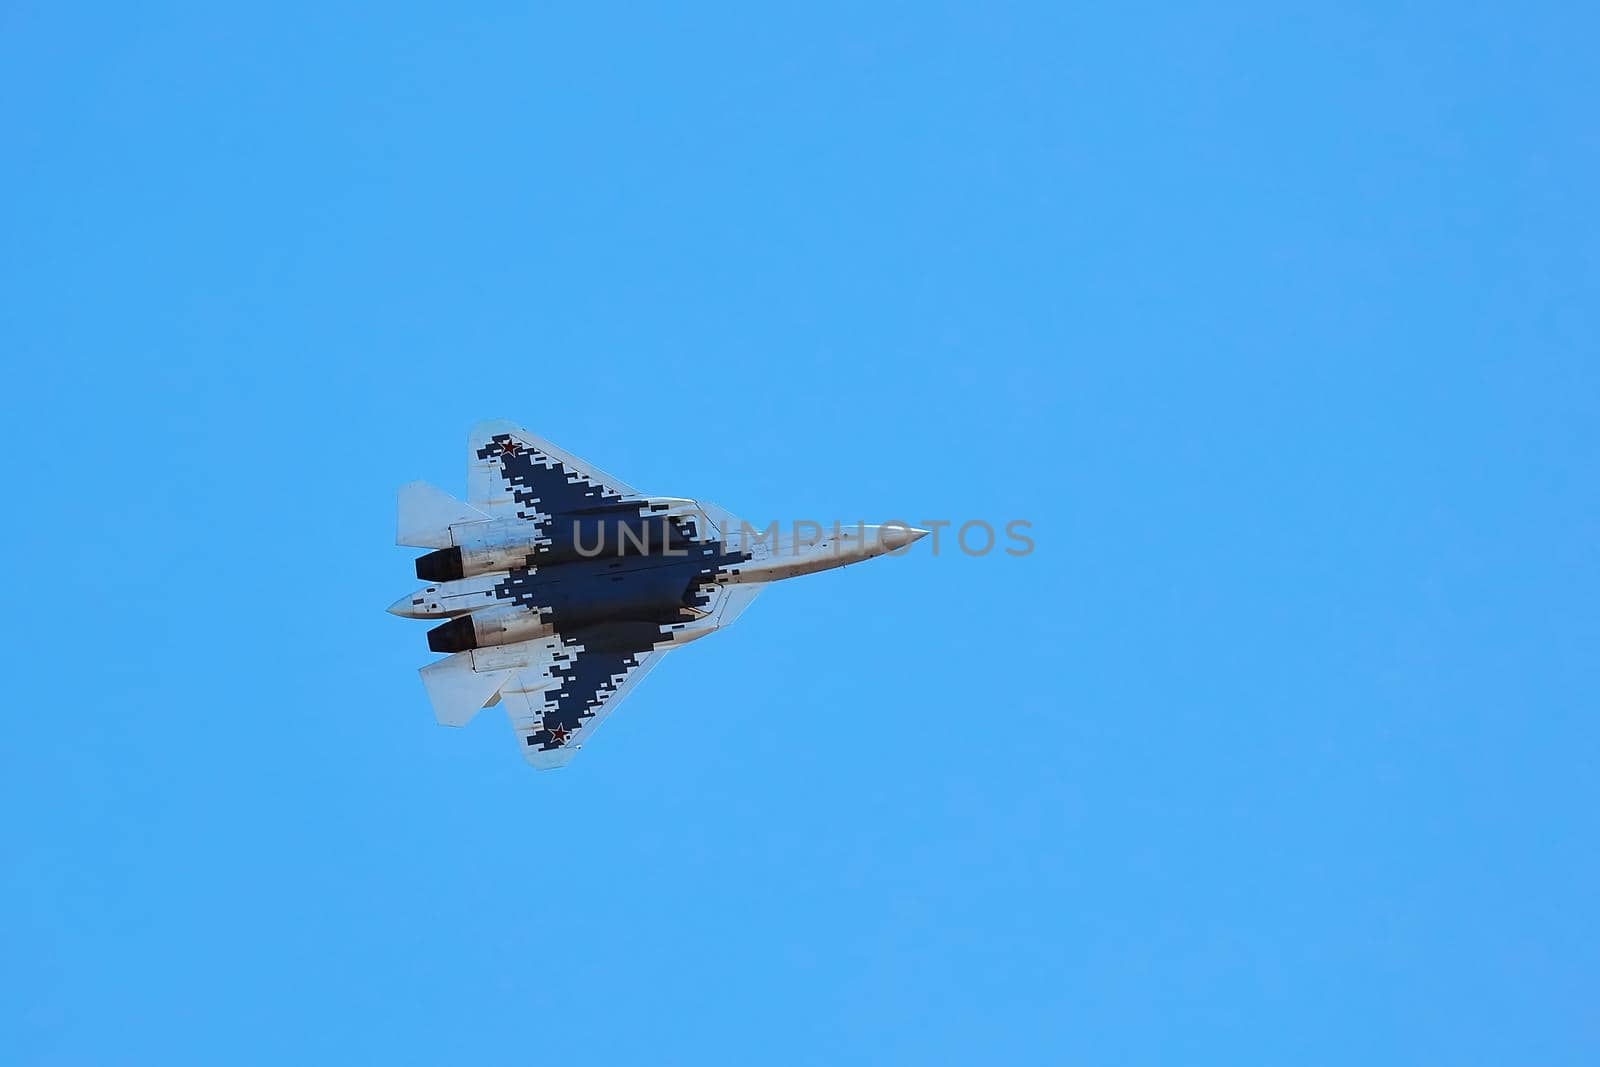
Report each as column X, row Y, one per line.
column 1279, row 325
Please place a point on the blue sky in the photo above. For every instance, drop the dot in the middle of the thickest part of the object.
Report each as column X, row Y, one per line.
column 1278, row 325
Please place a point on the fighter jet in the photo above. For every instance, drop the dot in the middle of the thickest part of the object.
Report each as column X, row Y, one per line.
column 561, row 586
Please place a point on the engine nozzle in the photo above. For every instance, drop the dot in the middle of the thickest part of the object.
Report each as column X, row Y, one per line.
column 444, row 565
column 457, row 635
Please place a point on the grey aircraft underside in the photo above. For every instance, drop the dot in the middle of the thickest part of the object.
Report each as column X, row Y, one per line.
column 557, row 587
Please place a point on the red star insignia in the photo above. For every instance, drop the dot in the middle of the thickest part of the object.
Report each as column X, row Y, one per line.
column 509, row 447
column 558, row 735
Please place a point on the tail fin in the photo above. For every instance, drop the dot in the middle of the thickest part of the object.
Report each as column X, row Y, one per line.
column 427, row 513
column 457, row 691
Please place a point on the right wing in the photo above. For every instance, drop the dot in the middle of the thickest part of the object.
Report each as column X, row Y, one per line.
column 510, row 472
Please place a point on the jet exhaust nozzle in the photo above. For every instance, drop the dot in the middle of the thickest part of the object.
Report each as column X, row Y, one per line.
column 445, row 565
column 457, row 635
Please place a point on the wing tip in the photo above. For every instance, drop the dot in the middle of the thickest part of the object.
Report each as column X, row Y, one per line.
column 549, row 759
column 487, row 428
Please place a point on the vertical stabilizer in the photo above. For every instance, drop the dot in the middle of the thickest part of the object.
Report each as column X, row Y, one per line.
column 457, row 691
column 426, row 514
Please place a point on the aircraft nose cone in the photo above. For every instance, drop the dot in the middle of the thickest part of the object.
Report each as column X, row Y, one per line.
column 893, row 537
column 403, row 608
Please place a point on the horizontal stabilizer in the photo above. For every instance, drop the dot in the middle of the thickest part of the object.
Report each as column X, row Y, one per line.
column 457, row 691
column 426, row 514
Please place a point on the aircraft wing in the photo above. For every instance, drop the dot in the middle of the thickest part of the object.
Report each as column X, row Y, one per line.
column 510, row 472
column 554, row 706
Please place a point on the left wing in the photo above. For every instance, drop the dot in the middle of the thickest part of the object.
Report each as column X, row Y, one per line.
column 554, row 712
column 556, row 690
column 510, row 472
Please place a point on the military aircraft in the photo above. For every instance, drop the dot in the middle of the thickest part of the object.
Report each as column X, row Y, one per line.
column 562, row 586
